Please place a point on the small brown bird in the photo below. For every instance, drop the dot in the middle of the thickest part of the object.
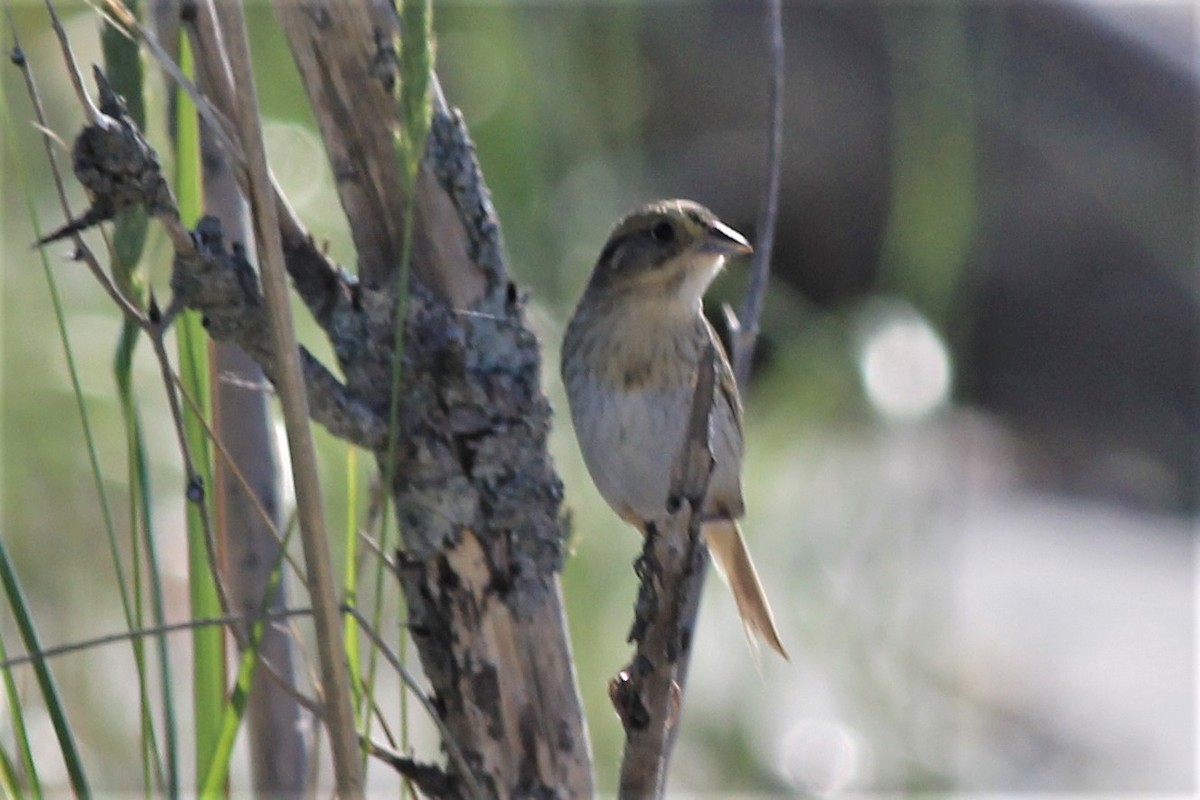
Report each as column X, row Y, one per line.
column 630, row 360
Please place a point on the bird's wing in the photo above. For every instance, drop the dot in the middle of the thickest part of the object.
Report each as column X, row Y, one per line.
column 726, row 389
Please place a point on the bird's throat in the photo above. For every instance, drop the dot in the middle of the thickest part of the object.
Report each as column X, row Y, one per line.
column 648, row 344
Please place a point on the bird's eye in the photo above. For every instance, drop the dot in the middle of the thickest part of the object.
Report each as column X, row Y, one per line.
column 663, row 233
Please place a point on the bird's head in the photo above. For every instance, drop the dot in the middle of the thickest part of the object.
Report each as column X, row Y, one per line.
column 670, row 249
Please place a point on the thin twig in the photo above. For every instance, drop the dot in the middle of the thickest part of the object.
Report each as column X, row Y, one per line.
column 196, row 490
column 228, row 620
column 377, row 551
column 241, row 480
column 144, row 633
column 123, row 18
column 744, row 327
column 339, row 710
column 85, row 99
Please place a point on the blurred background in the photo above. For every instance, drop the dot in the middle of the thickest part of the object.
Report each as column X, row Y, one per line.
column 972, row 466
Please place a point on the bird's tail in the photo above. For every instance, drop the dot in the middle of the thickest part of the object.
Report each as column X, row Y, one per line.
column 729, row 553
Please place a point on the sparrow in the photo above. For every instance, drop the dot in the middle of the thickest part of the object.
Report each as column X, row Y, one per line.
column 630, row 360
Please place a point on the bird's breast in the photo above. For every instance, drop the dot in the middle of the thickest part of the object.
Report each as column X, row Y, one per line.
column 630, row 377
column 630, row 440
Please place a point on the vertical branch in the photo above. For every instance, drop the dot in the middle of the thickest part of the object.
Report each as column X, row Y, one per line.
column 339, row 711
column 743, row 328
column 347, row 74
column 242, row 420
column 475, row 490
column 648, row 694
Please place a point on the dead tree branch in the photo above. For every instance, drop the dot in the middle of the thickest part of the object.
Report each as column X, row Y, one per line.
column 475, row 490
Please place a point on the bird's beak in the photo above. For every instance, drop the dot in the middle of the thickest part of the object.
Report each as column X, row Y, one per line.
column 724, row 240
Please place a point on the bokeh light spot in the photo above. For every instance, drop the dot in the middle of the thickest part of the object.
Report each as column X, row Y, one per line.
column 904, row 364
column 820, row 757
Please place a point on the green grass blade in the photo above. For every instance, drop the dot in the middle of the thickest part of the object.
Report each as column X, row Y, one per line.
column 45, row 678
column 416, row 51
column 8, row 775
column 34, row 787
column 20, row 734
column 214, row 776
column 142, row 521
column 350, row 587
column 208, row 644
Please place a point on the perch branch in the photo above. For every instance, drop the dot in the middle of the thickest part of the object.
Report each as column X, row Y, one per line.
column 648, row 694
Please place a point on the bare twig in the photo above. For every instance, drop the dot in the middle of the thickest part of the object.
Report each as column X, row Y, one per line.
column 235, row 471
column 144, row 633
column 648, row 694
column 743, row 327
column 226, row 620
column 196, row 490
column 339, row 710
column 85, row 100
column 377, row 551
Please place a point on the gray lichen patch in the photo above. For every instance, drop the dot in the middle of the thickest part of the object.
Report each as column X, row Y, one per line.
column 474, row 425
